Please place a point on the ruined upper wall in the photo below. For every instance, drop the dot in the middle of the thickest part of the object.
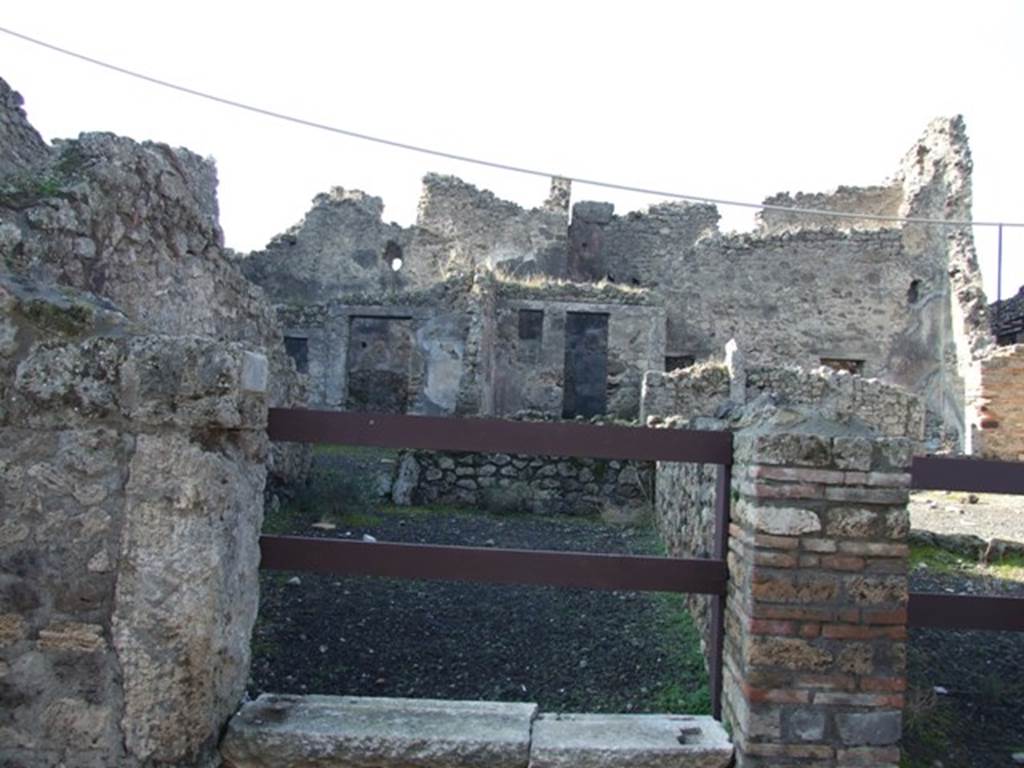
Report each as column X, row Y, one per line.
column 340, row 246
column 879, row 201
column 634, row 249
column 135, row 224
column 21, row 146
column 342, row 249
column 474, row 228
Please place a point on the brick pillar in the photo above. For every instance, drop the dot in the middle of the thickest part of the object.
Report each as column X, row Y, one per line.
column 815, row 652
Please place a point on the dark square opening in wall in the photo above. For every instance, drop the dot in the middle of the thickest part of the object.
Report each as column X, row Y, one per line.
column 844, row 364
column 677, row 362
column 531, row 324
column 297, row 348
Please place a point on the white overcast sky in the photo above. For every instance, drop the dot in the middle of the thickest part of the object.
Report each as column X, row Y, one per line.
column 726, row 99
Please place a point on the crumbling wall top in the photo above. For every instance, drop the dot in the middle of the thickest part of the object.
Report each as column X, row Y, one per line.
column 21, row 146
column 883, row 200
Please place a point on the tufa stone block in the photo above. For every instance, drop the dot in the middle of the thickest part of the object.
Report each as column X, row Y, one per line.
column 644, row 741
column 340, row 731
column 870, row 729
column 255, row 372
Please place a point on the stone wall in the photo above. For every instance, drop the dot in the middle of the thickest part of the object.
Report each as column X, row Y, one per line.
column 433, row 369
column 529, row 373
column 899, row 302
column 481, row 230
column 684, row 515
column 341, row 245
column 695, row 396
column 136, row 224
column 136, row 366
column 133, row 473
column 882, row 200
column 634, row 249
column 816, row 608
column 1000, row 430
column 540, row 485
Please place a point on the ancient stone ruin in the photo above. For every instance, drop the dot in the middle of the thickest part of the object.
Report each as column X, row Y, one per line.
column 138, row 359
column 484, row 308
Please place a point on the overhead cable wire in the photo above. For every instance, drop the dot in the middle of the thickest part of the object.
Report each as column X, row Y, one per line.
column 498, row 165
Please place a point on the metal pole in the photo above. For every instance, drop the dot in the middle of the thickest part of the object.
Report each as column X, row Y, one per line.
column 723, row 488
column 999, row 282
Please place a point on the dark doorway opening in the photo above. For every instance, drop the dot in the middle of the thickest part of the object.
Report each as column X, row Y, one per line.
column 378, row 364
column 586, row 365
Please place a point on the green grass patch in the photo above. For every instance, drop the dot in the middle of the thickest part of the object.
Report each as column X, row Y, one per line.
column 938, row 559
column 437, row 509
column 355, row 451
column 930, row 732
column 279, row 520
column 689, row 693
column 1009, row 567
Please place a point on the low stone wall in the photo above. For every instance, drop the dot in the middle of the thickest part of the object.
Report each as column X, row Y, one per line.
column 541, row 485
column 340, row 731
column 684, row 514
column 1001, row 427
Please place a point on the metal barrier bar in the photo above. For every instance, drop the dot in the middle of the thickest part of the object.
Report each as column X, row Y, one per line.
column 723, row 488
column 500, row 436
column 496, row 566
column 926, row 609
column 941, row 473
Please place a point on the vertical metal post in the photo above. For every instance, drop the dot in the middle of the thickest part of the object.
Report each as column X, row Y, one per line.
column 723, row 489
column 999, row 281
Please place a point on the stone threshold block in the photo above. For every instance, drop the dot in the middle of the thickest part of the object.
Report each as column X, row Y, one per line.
column 278, row 731
column 629, row 741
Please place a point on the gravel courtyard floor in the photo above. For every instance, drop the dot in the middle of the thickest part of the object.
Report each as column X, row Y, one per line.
column 573, row 650
column 566, row 649
column 965, row 706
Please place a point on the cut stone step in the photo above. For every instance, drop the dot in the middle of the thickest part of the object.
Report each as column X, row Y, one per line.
column 636, row 741
column 279, row 731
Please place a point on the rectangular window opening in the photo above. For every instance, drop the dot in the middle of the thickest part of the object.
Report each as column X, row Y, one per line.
column 297, row 348
column 844, row 364
column 677, row 362
column 531, row 324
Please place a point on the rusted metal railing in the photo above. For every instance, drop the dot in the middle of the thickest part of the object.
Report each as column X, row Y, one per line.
column 512, row 566
column 942, row 611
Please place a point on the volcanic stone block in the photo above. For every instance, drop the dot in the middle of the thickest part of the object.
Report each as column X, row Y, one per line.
column 334, row 731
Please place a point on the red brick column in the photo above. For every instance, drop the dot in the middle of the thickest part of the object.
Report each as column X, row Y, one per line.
column 815, row 651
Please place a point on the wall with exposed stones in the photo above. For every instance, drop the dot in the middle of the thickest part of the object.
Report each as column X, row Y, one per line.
column 634, row 249
column 899, row 302
column 728, row 395
column 461, row 347
column 1000, row 429
column 136, row 225
column 420, row 364
column 530, row 368
column 133, row 471
column 540, row 485
column 815, row 660
column 136, row 366
column 815, row 643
